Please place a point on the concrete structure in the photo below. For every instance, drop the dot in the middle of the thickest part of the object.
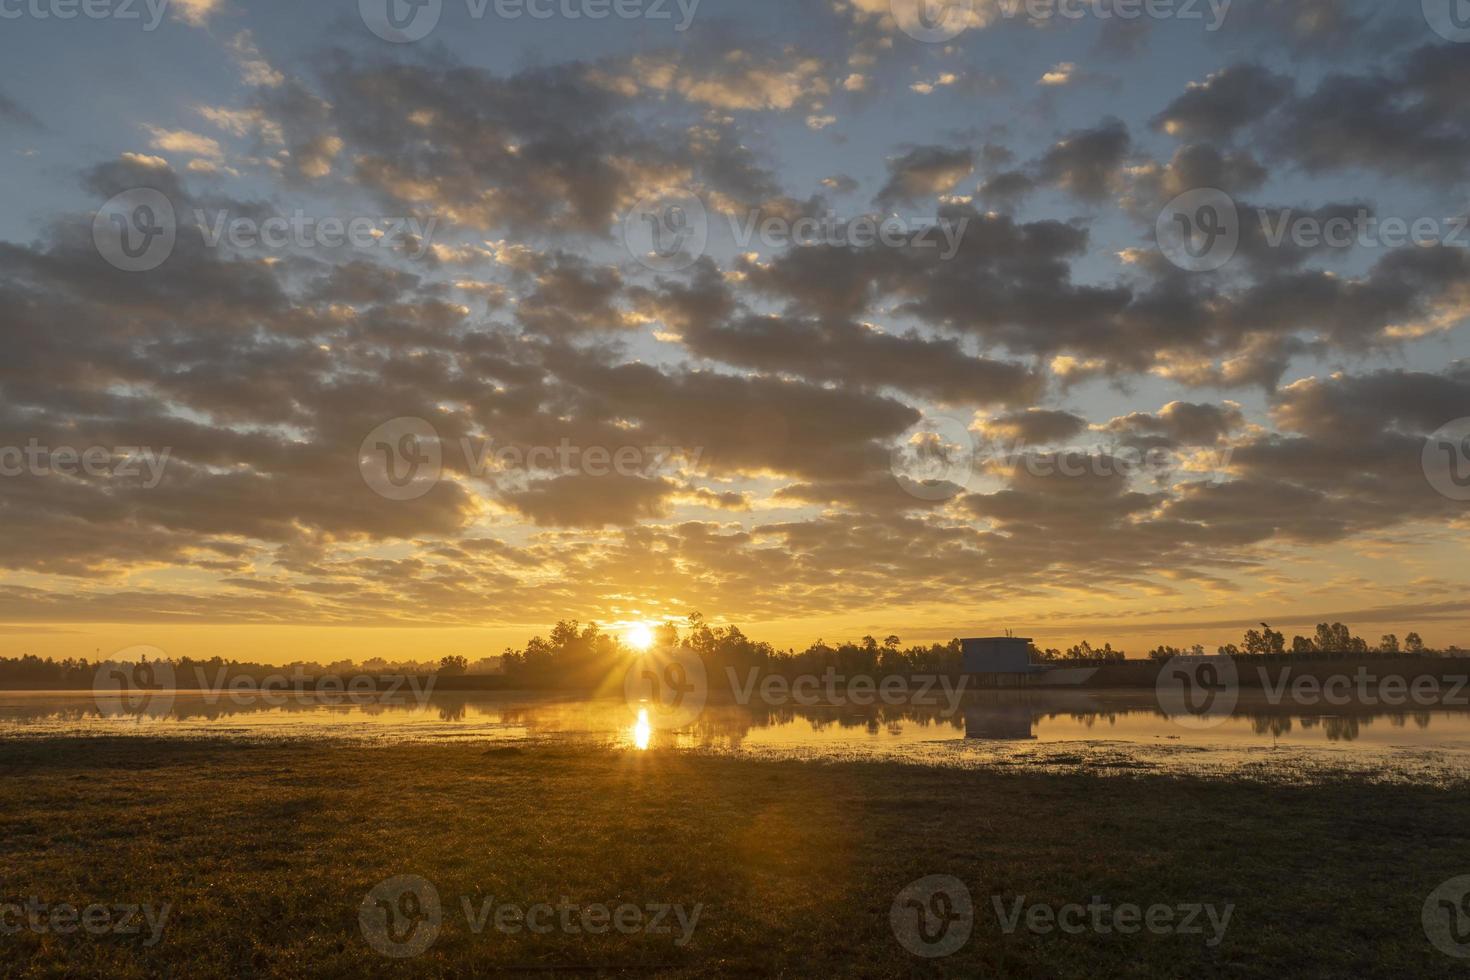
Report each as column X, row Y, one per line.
column 998, row 655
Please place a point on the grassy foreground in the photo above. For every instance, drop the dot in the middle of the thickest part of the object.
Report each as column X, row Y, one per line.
column 266, row 851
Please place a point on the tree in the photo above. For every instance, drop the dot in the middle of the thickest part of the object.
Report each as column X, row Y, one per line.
column 1300, row 644
column 1389, row 644
column 1334, row 639
column 452, row 665
column 1413, row 644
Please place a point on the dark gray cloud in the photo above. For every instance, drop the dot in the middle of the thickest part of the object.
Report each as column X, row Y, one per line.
column 1405, row 121
column 12, row 113
column 1224, row 102
column 925, row 172
column 1087, row 162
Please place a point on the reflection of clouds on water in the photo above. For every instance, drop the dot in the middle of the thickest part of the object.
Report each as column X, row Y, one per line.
column 998, row 716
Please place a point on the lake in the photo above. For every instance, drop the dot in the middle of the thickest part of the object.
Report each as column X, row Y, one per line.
column 1107, row 728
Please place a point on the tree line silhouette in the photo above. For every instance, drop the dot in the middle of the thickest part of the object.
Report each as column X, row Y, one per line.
column 586, row 656
column 1333, row 638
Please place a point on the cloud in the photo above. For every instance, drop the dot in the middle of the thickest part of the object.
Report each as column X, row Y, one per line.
column 1059, row 74
column 183, row 141
column 593, row 501
column 1224, row 102
column 14, row 114
column 1035, row 425
column 924, row 172
column 1404, row 121
column 1087, row 162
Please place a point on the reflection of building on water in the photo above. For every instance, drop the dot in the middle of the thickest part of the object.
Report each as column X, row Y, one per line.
column 998, row 656
column 999, row 721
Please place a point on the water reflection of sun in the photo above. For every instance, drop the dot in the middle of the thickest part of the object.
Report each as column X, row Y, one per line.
column 642, row 730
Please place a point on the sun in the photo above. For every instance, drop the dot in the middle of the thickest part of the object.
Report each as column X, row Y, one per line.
column 639, row 636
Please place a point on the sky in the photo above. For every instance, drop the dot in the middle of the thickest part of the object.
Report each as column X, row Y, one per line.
column 352, row 329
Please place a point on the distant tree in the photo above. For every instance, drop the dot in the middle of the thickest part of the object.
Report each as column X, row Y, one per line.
column 1413, row 644
column 1275, row 641
column 1336, row 638
column 1389, row 644
column 891, row 642
column 1087, row 653
column 1229, row 650
column 1300, row 644
column 453, row 665
column 1254, row 642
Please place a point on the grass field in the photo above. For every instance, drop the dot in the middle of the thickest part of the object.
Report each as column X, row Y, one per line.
column 265, row 852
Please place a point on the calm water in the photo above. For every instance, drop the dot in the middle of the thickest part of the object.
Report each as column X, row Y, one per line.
column 1126, row 727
